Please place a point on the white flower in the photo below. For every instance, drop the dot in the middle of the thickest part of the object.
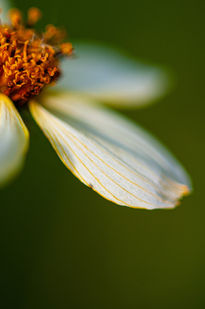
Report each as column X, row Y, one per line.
column 107, row 152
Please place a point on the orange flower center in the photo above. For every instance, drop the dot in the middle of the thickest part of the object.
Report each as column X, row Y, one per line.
column 28, row 60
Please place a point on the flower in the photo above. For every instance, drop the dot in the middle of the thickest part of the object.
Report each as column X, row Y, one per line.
column 107, row 152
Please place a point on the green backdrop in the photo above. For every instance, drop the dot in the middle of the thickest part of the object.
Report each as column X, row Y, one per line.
column 62, row 245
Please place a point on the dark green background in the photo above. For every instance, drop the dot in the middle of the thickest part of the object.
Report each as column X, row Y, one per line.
column 62, row 245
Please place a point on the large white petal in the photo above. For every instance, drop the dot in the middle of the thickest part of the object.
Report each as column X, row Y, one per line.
column 14, row 139
column 109, row 76
column 110, row 154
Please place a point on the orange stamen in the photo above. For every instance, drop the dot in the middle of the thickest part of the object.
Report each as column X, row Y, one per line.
column 29, row 61
column 15, row 17
column 34, row 14
column 66, row 48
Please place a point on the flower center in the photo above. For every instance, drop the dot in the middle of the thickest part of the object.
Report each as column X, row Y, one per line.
column 28, row 60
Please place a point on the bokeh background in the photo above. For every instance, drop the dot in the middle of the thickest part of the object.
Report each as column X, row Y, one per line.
column 62, row 245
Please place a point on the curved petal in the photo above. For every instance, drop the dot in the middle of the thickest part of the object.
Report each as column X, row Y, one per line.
column 14, row 140
column 110, row 154
column 109, row 76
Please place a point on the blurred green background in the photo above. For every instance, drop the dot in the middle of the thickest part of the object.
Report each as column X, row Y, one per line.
column 62, row 245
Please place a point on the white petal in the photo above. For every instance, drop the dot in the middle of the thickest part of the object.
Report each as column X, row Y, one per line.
column 5, row 5
column 110, row 154
column 105, row 74
column 14, row 139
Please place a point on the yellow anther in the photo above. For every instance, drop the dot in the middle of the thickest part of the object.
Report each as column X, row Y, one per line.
column 15, row 17
column 34, row 14
column 66, row 48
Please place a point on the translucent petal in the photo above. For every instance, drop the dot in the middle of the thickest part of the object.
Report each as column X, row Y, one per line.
column 109, row 76
column 110, row 154
column 14, row 140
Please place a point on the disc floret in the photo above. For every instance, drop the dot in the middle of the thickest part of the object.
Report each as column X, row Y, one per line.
column 29, row 60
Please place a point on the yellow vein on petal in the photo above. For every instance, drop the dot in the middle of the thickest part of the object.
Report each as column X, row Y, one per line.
column 156, row 196
column 59, row 124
